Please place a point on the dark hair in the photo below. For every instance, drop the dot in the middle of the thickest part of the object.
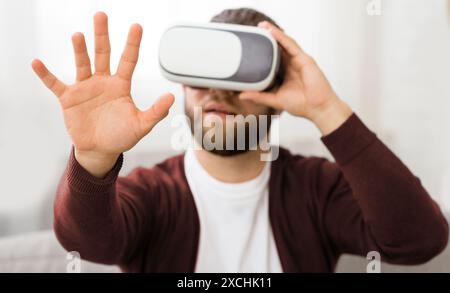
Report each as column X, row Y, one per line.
column 242, row 16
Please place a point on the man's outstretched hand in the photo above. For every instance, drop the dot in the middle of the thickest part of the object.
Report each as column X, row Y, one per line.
column 98, row 109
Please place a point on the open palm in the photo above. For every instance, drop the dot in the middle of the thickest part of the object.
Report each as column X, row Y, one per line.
column 98, row 109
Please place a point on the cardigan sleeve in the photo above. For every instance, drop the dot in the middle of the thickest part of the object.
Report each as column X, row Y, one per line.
column 102, row 219
column 372, row 202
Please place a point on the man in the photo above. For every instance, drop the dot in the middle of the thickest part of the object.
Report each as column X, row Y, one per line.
column 229, row 211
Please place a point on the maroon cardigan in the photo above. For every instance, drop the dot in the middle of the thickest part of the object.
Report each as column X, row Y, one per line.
column 368, row 200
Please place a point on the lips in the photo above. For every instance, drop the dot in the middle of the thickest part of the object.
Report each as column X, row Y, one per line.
column 217, row 108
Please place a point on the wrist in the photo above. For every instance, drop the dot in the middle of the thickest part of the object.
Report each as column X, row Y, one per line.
column 331, row 115
column 97, row 164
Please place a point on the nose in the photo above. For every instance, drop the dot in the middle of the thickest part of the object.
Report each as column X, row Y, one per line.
column 223, row 94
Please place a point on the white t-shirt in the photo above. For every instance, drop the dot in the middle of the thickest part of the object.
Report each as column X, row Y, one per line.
column 235, row 231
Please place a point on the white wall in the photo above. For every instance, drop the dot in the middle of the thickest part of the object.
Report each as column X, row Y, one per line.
column 415, row 87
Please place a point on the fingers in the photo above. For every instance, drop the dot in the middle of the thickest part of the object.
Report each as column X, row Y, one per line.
column 264, row 98
column 288, row 44
column 102, row 45
column 130, row 54
column 82, row 61
column 50, row 81
column 159, row 110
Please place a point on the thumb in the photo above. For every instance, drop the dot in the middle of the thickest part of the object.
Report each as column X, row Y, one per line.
column 158, row 111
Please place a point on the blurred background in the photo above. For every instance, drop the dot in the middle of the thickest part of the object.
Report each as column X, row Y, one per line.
column 390, row 60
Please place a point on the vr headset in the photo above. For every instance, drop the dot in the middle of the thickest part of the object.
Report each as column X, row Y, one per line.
column 222, row 56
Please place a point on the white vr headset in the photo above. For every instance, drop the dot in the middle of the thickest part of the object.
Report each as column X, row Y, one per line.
column 222, row 56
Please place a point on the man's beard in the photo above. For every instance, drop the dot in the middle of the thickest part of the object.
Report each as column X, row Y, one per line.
column 240, row 142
